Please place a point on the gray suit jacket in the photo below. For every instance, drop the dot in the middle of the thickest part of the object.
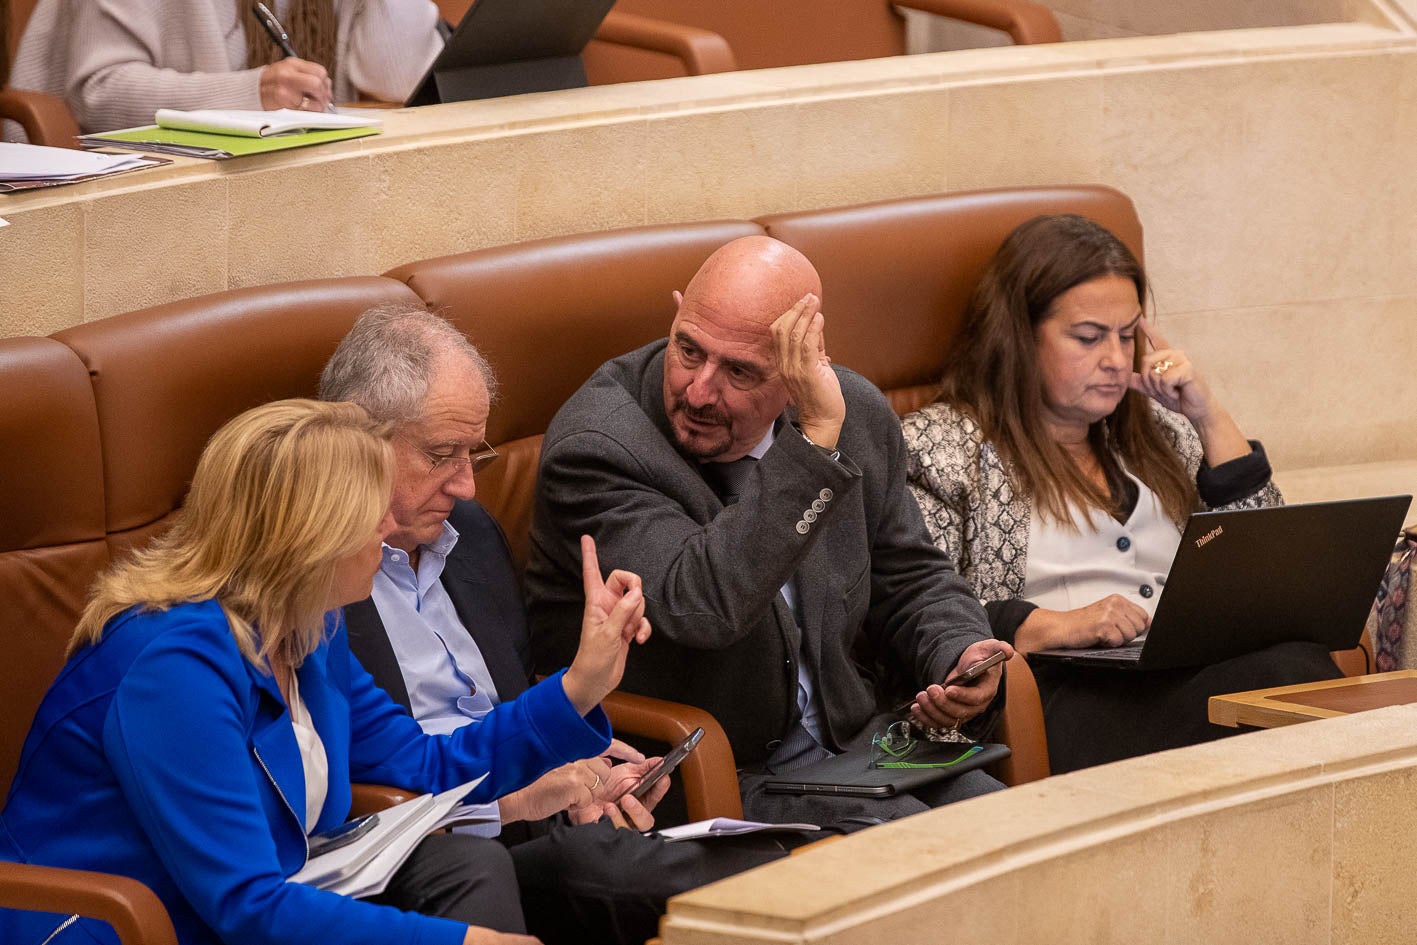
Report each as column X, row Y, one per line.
column 884, row 612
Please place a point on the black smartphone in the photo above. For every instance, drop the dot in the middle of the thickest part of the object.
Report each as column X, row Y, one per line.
column 968, row 676
column 964, row 678
column 665, row 767
column 341, row 836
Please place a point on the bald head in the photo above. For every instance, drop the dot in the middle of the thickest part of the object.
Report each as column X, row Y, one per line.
column 722, row 386
column 751, row 281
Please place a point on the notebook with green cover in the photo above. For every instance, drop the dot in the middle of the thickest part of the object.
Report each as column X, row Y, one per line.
column 216, row 147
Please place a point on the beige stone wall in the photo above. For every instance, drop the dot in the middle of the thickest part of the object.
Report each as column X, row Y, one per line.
column 1295, row 836
column 1112, row 19
column 1272, row 170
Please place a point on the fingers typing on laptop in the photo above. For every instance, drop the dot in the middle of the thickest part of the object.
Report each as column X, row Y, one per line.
column 1112, row 621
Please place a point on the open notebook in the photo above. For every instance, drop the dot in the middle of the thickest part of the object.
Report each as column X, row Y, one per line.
column 218, row 135
column 258, row 124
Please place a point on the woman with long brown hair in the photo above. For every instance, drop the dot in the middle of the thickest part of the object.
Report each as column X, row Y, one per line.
column 1067, row 447
column 211, row 718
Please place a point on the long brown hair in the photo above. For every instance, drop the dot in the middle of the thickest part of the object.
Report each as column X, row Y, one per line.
column 310, row 24
column 281, row 494
column 992, row 374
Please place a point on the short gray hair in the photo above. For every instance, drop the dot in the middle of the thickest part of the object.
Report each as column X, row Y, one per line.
column 385, row 361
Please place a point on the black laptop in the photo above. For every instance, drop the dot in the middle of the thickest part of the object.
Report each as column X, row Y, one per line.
column 1247, row 579
column 507, row 47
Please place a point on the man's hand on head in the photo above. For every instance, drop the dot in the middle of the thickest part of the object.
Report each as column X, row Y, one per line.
column 799, row 344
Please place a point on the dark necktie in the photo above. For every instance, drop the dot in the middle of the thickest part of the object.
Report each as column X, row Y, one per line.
column 729, row 479
column 798, row 747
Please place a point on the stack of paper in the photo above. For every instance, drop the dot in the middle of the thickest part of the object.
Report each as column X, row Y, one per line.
column 725, row 827
column 221, row 134
column 26, row 166
column 364, row 867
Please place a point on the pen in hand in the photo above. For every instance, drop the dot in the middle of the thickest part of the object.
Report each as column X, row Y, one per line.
column 278, row 36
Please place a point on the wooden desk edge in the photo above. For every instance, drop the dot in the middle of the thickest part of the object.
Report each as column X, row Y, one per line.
column 1256, row 708
column 1228, row 711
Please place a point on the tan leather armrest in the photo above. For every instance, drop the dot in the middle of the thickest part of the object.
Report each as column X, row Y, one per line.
column 1021, row 728
column 135, row 913
column 1027, row 23
column 709, row 774
column 701, row 51
column 46, row 119
column 371, row 797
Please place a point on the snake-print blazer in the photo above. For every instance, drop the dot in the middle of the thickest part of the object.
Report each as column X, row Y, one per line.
column 977, row 516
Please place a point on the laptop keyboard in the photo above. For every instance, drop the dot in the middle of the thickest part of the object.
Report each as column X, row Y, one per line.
column 1111, row 653
column 1128, row 651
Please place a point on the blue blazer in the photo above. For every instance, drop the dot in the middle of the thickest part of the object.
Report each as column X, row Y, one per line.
column 162, row 754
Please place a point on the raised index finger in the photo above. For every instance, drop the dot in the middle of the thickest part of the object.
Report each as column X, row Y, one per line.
column 1153, row 334
column 590, row 567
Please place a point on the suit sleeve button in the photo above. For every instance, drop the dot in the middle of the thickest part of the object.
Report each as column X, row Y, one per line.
column 825, row 495
column 818, row 505
column 803, row 528
column 809, row 516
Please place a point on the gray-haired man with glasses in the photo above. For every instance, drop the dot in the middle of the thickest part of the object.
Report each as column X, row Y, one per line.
column 444, row 632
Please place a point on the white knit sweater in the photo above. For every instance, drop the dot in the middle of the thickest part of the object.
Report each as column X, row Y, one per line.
column 116, row 62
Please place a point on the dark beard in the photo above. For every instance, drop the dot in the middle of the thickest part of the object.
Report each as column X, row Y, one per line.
column 705, row 415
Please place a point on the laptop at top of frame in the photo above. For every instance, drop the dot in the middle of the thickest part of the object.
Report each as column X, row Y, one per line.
column 507, row 47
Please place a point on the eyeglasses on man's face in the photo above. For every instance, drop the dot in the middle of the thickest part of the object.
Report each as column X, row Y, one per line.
column 448, row 465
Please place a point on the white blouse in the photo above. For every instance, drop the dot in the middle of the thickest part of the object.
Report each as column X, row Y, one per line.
column 1071, row 569
column 312, row 756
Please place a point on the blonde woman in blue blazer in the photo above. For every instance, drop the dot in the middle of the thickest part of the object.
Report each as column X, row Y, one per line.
column 210, row 716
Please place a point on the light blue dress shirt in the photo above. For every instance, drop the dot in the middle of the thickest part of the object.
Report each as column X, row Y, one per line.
column 448, row 682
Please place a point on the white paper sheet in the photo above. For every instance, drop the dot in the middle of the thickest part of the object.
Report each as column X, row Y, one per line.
column 34, row 162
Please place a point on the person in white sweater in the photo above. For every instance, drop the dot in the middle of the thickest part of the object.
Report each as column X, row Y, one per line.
column 115, row 62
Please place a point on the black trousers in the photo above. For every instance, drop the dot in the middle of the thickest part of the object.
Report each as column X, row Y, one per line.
column 461, row 877
column 1093, row 716
column 593, row 883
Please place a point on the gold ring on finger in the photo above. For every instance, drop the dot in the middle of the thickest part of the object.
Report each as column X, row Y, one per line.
column 1161, row 367
column 596, row 784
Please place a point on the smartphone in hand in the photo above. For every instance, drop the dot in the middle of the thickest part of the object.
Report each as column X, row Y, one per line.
column 968, row 676
column 663, row 768
column 965, row 677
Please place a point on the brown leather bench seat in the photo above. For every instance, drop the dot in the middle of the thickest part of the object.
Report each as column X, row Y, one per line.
column 103, row 422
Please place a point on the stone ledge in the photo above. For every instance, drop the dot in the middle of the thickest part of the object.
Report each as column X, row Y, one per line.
column 1268, row 836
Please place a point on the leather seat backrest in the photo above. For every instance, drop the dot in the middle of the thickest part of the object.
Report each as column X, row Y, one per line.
column 51, row 523
column 896, row 275
column 165, row 378
column 788, row 32
column 547, row 314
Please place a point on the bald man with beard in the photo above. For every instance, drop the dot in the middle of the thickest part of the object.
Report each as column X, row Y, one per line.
column 760, row 492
